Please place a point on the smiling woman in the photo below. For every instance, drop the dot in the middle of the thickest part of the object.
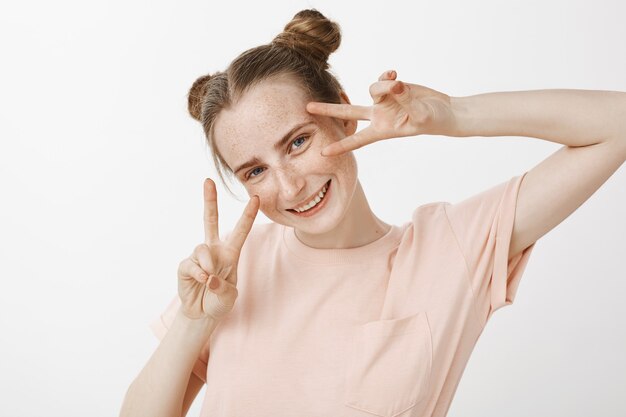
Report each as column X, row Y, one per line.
column 328, row 310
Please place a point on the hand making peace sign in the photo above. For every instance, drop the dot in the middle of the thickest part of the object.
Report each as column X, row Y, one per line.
column 207, row 280
column 399, row 109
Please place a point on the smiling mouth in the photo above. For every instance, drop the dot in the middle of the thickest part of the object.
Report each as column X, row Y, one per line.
column 314, row 201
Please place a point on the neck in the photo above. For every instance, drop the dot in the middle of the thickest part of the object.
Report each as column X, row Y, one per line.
column 358, row 227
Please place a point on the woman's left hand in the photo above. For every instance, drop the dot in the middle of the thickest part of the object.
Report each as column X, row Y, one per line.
column 399, row 109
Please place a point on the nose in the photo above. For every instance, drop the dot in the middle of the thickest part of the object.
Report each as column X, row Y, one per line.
column 290, row 183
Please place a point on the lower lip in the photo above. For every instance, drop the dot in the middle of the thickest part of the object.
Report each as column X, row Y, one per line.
column 317, row 208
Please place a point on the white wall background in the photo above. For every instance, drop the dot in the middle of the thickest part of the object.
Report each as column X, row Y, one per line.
column 101, row 173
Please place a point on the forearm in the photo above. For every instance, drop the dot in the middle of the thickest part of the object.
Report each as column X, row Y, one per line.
column 570, row 117
column 159, row 389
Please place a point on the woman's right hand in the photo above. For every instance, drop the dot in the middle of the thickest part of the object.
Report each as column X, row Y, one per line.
column 399, row 109
column 207, row 279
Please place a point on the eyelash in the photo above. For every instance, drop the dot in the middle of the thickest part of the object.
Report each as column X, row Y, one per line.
column 305, row 137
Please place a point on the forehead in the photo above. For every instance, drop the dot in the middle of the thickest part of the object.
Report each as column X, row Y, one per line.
column 260, row 118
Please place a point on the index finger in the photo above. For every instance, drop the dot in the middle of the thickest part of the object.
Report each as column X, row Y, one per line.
column 210, row 212
column 240, row 232
column 341, row 111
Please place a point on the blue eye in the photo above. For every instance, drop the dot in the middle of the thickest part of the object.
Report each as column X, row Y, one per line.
column 300, row 140
column 251, row 173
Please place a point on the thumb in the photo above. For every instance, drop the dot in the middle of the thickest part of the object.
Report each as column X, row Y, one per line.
column 220, row 297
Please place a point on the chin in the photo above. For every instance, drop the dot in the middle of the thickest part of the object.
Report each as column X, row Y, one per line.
column 318, row 226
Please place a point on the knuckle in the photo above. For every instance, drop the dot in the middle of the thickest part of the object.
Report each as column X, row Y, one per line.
column 206, row 263
column 193, row 268
column 183, row 267
column 374, row 89
column 201, row 248
column 199, row 274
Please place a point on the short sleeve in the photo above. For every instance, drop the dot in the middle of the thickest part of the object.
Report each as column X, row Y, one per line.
column 483, row 226
column 162, row 323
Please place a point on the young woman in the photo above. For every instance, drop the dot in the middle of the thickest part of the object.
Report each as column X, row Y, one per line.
column 328, row 310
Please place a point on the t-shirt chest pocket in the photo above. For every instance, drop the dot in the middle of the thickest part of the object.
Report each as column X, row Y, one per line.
column 389, row 369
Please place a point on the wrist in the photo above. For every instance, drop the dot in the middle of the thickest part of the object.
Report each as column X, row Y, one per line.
column 462, row 119
column 199, row 327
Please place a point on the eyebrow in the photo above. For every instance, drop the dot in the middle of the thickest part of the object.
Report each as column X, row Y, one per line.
column 278, row 145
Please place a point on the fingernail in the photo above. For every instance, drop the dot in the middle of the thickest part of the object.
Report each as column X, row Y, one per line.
column 214, row 283
column 398, row 89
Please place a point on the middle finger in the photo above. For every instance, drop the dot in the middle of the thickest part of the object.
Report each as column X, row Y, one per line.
column 244, row 225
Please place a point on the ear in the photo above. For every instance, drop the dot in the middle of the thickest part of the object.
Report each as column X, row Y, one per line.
column 349, row 126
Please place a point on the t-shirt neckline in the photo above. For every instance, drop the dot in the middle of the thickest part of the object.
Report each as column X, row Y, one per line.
column 335, row 256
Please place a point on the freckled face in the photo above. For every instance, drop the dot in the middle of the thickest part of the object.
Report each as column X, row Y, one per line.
column 287, row 177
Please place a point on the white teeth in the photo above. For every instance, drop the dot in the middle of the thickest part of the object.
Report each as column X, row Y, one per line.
column 313, row 202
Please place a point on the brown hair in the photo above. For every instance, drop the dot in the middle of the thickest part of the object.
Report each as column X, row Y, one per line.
column 301, row 50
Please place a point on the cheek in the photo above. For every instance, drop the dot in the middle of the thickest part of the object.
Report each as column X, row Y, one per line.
column 265, row 193
column 348, row 168
column 344, row 165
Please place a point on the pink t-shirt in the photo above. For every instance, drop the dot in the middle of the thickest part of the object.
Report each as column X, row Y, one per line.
column 385, row 329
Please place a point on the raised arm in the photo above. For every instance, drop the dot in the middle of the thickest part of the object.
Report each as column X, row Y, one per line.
column 591, row 123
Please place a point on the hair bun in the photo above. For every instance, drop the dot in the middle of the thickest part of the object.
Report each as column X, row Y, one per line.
column 196, row 96
column 311, row 33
